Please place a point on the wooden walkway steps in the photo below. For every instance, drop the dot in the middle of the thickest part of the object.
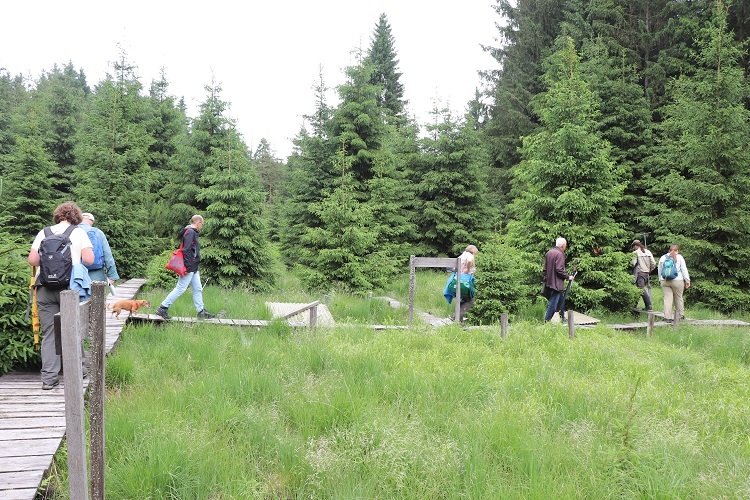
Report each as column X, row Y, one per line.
column 426, row 317
column 32, row 421
column 183, row 319
column 283, row 309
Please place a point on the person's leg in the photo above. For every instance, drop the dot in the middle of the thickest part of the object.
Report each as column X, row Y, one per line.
column 48, row 304
column 179, row 289
column 641, row 283
column 465, row 306
column 678, row 287
column 552, row 305
column 667, row 289
column 195, row 284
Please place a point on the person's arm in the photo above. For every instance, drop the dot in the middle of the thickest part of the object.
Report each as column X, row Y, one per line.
column 87, row 255
column 109, row 259
column 684, row 270
column 34, row 257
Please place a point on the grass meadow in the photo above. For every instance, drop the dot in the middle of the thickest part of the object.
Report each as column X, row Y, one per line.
column 202, row 411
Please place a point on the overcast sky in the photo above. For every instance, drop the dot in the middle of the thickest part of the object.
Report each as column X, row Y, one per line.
column 265, row 55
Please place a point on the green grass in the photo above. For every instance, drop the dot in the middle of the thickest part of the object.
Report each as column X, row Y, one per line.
column 205, row 411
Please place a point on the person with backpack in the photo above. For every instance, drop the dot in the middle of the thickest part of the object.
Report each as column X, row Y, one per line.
column 57, row 250
column 674, row 279
column 555, row 275
column 192, row 256
column 103, row 268
column 643, row 263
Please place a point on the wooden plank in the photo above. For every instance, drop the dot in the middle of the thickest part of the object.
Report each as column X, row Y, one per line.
column 446, row 262
column 29, row 447
column 32, row 422
column 21, row 479
column 21, row 434
column 300, row 310
column 18, row 494
column 31, row 462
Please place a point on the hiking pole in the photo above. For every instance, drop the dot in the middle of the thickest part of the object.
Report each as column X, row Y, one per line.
column 567, row 288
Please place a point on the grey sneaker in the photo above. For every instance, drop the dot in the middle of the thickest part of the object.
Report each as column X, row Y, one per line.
column 205, row 315
column 47, row 387
column 162, row 311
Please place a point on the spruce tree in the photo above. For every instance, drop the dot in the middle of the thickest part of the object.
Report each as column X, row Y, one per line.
column 112, row 174
column 234, row 250
column 453, row 209
column 381, row 56
column 568, row 186
column 702, row 168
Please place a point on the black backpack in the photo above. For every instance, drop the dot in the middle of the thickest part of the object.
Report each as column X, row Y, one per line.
column 56, row 262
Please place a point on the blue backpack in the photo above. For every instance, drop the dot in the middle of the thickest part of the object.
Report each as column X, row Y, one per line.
column 669, row 268
column 98, row 251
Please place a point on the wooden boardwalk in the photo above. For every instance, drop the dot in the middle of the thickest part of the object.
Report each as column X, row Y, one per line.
column 32, row 421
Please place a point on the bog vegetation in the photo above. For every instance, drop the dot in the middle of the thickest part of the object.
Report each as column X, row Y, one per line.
column 209, row 411
column 605, row 122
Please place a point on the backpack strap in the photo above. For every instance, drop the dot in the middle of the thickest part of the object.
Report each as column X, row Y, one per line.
column 69, row 230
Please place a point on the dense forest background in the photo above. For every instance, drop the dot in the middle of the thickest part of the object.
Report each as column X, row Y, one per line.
column 607, row 121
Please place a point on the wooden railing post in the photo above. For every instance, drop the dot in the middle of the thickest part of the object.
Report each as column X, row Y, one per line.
column 96, row 388
column 412, row 288
column 70, row 322
column 503, row 325
column 571, row 324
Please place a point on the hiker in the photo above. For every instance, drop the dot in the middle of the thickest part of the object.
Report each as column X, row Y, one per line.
column 554, row 278
column 468, row 266
column 673, row 283
column 103, row 268
column 192, row 256
column 66, row 217
column 643, row 263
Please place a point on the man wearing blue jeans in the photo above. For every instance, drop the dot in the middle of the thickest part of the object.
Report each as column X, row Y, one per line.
column 192, row 256
column 554, row 278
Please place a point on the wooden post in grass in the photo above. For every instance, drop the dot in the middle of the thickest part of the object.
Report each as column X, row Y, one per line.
column 503, row 325
column 412, row 287
column 650, row 327
column 445, row 263
column 71, row 323
column 571, row 324
column 96, row 393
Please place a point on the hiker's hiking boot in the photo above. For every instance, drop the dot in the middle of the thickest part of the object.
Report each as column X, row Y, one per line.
column 162, row 311
column 205, row 315
column 47, row 387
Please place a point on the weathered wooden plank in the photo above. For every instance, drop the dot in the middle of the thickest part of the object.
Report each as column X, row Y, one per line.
column 447, row 262
column 17, row 494
column 20, row 479
column 38, row 433
column 33, row 409
column 31, row 398
column 29, row 447
column 17, row 464
column 32, row 422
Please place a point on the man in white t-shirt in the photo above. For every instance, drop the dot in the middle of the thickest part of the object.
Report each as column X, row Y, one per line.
column 48, row 301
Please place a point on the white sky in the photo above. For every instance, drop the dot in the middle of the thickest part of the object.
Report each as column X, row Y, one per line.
column 265, row 55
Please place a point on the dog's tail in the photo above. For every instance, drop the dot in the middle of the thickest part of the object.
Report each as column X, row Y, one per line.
column 109, row 307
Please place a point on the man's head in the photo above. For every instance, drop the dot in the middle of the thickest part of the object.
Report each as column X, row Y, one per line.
column 472, row 249
column 197, row 221
column 67, row 211
column 636, row 244
column 561, row 243
column 88, row 218
column 674, row 250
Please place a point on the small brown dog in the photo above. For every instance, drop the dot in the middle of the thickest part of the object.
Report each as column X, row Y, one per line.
column 127, row 305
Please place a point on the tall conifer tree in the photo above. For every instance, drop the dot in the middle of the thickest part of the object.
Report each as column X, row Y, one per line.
column 568, row 186
column 382, row 58
column 703, row 171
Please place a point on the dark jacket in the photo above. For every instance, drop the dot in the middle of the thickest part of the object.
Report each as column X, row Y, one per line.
column 191, row 249
column 554, row 269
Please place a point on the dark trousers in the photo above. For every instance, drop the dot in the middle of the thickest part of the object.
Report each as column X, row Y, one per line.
column 556, row 302
column 641, row 280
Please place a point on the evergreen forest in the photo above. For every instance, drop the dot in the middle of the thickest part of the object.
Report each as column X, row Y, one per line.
column 606, row 121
